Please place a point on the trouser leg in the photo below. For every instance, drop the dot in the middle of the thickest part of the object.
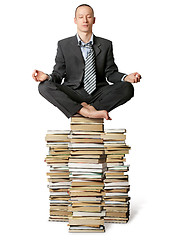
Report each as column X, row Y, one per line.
column 109, row 97
column 62, row 97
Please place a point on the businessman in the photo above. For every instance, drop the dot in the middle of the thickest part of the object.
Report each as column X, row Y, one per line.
column 84, row 66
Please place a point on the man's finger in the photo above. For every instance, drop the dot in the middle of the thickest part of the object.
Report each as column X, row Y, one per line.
column 138, row 75
column 135, row 79
column 33, row 74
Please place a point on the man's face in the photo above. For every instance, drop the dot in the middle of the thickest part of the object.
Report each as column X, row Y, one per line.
column 84, row 19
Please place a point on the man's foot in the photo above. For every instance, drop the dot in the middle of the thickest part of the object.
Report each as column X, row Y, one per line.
column 88, row 106
column 91, row 112
column 84, row 104
column 100, row 114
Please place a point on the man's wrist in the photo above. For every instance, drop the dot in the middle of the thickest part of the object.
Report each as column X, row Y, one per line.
column 49, row 77
column 123, row 78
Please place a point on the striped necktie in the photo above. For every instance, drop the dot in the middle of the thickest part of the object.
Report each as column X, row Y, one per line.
column 90, row 72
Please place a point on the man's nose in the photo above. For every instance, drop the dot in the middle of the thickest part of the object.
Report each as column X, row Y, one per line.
column 84, row 19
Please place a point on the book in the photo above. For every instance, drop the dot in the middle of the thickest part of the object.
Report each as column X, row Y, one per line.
column 80, row 119
column 84, row 165
column 89, row 127
column 86, row 221
column 77, row 214
column 119, row 130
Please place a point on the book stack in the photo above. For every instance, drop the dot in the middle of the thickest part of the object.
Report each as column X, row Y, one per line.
column 87, row 177
column 116, row 184
column 86, row 167
column 58, row 175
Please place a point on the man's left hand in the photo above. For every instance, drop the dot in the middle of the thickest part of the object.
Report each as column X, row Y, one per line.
column 133, row 77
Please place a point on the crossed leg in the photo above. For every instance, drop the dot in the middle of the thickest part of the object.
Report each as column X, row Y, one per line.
column 99, row 105
column 68, row 101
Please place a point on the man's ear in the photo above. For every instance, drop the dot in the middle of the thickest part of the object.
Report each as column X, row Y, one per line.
column 94, row 20
column 75, row 20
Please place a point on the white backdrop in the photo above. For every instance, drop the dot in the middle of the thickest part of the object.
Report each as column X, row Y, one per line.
column 143, row 40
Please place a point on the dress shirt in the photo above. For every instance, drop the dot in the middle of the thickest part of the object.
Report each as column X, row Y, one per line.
column 83, row 46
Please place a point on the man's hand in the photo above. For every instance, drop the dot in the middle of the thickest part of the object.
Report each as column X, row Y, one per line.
column 133, row 77
column 39, row 76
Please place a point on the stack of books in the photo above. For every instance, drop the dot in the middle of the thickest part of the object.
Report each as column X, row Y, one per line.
column 86, row 167
column 58, row 174
column 87, row 177
column 116, row 184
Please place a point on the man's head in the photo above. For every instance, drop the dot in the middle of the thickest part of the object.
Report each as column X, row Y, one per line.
column 84, row 18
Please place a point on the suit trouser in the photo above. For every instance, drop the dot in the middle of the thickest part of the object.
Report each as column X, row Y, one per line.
column 69, row 100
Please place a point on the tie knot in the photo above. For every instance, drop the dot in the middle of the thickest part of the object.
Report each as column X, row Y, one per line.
column 88, row 45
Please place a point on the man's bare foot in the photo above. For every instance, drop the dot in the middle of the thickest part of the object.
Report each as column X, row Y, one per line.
column 100, row 114
column 88, row 106
column 84, row 104
column 91, row 112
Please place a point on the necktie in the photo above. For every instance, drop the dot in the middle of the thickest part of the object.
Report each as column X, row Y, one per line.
column 90, row 72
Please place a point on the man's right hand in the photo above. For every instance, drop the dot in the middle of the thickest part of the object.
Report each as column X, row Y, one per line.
column 39, row 76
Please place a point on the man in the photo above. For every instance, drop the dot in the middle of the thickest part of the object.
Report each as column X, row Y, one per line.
column 84, row 62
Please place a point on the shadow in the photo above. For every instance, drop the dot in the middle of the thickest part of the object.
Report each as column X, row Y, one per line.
column 107, row 226
column 135, row 208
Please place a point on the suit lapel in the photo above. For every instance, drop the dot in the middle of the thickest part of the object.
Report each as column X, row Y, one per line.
column 76, row 48
column 96, row 46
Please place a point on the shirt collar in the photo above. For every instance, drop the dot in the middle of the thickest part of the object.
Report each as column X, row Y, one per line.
column 81, row 43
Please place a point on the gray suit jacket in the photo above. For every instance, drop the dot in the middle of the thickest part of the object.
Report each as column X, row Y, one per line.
column 70, row 63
